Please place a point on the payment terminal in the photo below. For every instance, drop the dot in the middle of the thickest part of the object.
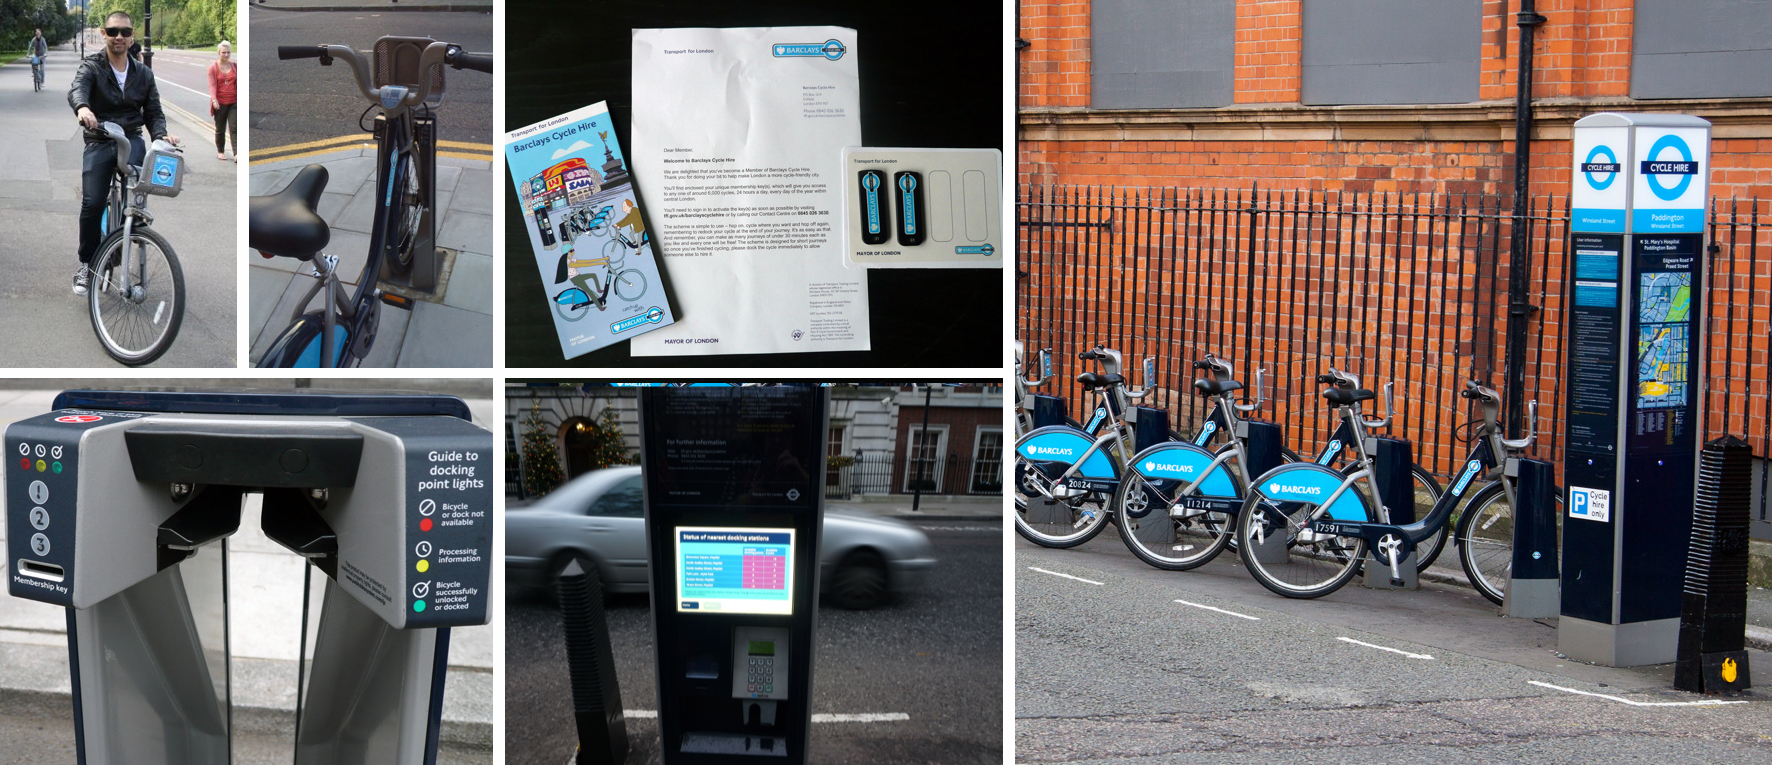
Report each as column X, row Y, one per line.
column 734, row 507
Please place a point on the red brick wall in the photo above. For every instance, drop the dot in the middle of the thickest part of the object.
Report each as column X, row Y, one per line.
column 963, row 424
column 1055, row 69
column 1269, row 43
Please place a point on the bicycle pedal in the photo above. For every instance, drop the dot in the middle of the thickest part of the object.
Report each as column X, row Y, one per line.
column 397, row 301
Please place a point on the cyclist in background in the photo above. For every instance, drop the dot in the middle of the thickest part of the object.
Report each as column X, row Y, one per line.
column 111, row 87
column 39, row 50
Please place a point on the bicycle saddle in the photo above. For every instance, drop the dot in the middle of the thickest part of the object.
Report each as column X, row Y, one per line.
column 1091, row 380
column 1216, row 388
column 285, row 223
column 1345, row 397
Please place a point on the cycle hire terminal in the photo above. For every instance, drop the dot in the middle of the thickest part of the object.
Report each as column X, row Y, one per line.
column 1636, row 345
column 734, row 507
column 113, row 502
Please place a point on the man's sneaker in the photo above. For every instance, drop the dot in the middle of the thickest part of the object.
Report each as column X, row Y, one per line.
column 82, row 278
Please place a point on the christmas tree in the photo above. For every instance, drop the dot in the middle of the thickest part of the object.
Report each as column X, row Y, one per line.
column 607, row 446
column 541, row 460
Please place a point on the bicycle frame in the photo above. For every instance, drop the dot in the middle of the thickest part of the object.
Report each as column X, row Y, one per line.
column 126, row 205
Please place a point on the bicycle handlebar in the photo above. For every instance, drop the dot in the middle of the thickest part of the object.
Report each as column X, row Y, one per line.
column 1521, row 444
column 395, row 97
column 1260, row 375
column 479, row 62
column 1390, row 407
column 287, row 52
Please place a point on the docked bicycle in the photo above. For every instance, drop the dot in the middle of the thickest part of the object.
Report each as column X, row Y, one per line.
column 403, row 77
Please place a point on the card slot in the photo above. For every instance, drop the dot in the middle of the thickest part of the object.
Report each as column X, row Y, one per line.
column 976, row 230
column 941, row 206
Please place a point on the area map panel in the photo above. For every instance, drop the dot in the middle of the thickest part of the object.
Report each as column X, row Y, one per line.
column 1663, row 342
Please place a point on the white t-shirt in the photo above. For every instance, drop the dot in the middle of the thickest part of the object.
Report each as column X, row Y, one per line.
column 121, row 76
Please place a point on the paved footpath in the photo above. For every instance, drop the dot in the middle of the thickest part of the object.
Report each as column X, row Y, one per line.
column 39, row 217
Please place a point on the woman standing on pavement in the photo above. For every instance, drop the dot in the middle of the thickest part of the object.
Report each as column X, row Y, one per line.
column 221, row 98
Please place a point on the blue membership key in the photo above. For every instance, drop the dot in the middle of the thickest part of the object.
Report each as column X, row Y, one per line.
column 910, row 207
column 874, row 223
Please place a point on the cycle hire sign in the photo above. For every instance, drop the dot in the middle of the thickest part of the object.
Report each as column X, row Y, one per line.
column 1598, row 193
column 1670, row 180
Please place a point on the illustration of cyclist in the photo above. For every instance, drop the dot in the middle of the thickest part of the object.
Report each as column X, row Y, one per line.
column 581, row 271
column 39, row 50
column 111, row 87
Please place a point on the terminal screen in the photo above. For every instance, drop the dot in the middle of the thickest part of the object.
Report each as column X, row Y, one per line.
column 734, row 570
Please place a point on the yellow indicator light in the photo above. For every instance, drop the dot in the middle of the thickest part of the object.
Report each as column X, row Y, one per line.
column 423, row 566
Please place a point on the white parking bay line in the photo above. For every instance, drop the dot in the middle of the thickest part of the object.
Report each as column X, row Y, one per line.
column 864, row 717
column 1220, row 610
column 1067, row 576
column 1622, row 700
column 1383, row 648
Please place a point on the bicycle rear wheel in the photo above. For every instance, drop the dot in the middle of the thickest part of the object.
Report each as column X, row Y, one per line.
column 136, row 321
column 1188, row 542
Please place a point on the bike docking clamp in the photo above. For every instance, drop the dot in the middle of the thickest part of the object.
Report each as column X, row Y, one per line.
column 1533, row 581
column 118, row 506
column 1390, row 561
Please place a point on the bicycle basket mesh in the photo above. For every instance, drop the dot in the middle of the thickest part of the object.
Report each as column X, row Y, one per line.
column 396, row 63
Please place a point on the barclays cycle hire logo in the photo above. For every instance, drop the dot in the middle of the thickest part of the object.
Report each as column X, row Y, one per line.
column 1152, row 466
column 1278, row 488
column 1593, row 168
column 1654, row 166
column 831, row 49
column 1056, row 451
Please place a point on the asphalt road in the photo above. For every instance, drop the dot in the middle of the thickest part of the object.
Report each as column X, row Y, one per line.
column 1120, row 672
column 298, row 101
column 39, row 217
column 936, row 656
column 49, row 740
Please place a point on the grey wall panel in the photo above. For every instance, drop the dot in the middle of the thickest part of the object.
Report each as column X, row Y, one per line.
column 1391, row 51
column 1152, row 54
column 1701, row 48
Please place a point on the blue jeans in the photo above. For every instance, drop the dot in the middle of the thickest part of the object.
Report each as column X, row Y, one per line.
column 98, row 169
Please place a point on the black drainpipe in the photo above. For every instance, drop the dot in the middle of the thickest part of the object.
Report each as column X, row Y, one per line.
column 1518, row 309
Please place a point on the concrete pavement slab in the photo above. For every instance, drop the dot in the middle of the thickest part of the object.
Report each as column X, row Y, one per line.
column 442, row 336
column 473, row 268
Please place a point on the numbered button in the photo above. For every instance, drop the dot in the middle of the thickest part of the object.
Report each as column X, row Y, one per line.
column 39, row 518
column 39, row 492
column 39, row 544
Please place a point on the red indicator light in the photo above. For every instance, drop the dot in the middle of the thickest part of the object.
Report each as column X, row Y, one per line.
column 424, row 525
column 24, row 463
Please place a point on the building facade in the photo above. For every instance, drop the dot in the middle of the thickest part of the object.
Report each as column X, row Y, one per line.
column 875, row 439
column 1374, row 95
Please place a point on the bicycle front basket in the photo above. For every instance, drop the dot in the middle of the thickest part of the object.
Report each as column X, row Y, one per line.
column 163, row 171
column 396, row 63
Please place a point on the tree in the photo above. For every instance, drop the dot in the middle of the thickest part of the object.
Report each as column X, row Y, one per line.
column 607, row 446
column 541, row 460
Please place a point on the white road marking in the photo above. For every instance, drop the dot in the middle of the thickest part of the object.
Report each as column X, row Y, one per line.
column 1383, row 648
column 1067, row 576
column 1220, row 610
column 1622, row 700
column 204, row 94
column 864, row 717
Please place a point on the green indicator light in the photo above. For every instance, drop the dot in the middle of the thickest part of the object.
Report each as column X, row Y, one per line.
column 418, row 606
column 57, row 467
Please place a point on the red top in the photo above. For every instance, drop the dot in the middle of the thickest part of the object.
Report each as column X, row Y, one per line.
column 221, row 84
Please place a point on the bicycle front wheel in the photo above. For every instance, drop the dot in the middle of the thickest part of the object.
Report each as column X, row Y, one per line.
column 1279, row 549
column 1486, row 540
column 136, row 318
column 1066, row 523
column 630, row 284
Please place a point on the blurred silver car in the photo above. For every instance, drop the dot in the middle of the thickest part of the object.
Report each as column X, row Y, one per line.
column 599, row 517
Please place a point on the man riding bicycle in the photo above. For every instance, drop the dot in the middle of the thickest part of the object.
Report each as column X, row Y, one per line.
column 111, row 87
column 39, row 49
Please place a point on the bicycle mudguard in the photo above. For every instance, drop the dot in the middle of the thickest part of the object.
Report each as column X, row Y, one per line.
column 1063, row 444
column 1182, row 461
column 299, row 345
column 1310, row 482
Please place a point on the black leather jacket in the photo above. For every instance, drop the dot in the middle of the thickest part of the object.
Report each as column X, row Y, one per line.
column 135, row 106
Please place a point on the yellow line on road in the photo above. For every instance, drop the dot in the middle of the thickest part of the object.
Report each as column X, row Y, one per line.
column 464, row 155
column 303, row 155
column 296, row 147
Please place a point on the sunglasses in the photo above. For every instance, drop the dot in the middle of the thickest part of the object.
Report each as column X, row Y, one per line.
column 119, row 31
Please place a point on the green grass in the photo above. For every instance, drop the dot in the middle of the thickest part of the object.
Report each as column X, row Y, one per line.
column 8, row 56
